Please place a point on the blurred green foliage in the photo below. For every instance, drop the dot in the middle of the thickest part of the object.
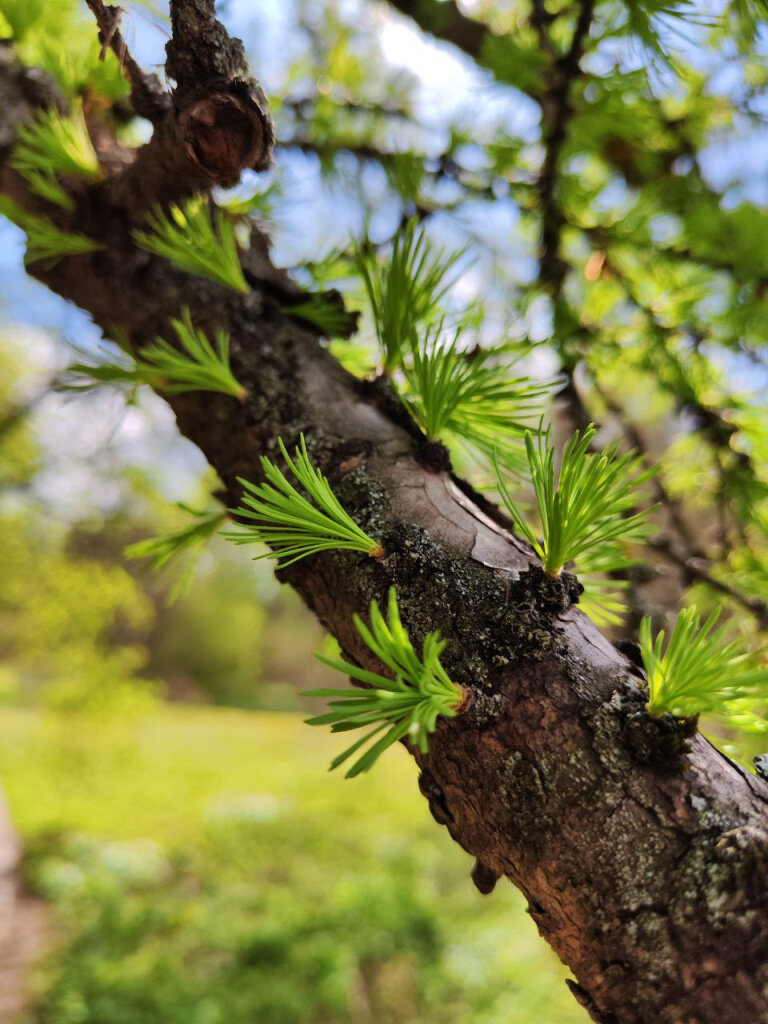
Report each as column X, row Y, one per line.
column 19, row 456
column 84, row 628
column 70, row 625
column 205, row 868
column 70, row 54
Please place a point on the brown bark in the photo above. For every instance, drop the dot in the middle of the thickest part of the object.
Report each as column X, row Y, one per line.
column 644, row 863
column 447, row 22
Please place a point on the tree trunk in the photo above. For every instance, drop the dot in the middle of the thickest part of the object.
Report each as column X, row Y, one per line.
column 643, row 856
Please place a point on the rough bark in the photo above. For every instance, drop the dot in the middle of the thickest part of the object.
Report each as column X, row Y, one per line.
column 644, row 858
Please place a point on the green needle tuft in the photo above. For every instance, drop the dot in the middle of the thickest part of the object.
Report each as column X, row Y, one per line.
column 198, row 239
column 405, row 292
column 185, row 545
column 699, row 671
column 52, row 146
column 45, row 242
column 471, row 396
column 406, row 706
column 292, row 525
column 195, row 365
column 584, row 506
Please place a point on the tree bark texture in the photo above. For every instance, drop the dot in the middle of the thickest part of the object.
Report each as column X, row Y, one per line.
column 643, row 855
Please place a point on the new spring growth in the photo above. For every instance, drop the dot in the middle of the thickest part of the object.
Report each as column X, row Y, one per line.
column 198, row 239
column 52, row 146
column 193, row 364
column 294, row 526
column 699, row 672
column 183, row 545
column 45, row 242
column 407, row 705
column 405, row 293
column 472, row 396
column 603, row 599
column 586, row 505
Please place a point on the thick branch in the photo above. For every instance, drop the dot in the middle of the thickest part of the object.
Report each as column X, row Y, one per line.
column 645, row 866
column 200, row 49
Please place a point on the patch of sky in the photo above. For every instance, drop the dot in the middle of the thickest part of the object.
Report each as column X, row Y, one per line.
column 665, row 228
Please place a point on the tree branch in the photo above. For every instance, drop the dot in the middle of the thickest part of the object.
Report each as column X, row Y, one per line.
column 635, row 440
column 445, row 21
column 215, row 128
column 644, row 864
column 557, row 110
column 148, row 98
column 697, row 570
column 694, row 564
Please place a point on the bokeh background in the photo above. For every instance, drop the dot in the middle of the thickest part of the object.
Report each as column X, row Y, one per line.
column 187, row 859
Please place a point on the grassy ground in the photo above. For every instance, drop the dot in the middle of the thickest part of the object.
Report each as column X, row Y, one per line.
column 206, row 869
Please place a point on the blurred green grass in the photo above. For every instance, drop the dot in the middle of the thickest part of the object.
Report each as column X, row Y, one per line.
column 206, row 869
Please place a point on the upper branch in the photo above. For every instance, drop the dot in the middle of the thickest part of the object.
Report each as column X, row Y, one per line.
column 201, row 50
column 148, row 97
column 446, row 21
column 557, row 111
column 217, row 124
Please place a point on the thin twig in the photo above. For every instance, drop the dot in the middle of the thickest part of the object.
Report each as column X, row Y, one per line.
column 148, row 97
column 636, row 440
column 696, row 572
column 557, row 111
